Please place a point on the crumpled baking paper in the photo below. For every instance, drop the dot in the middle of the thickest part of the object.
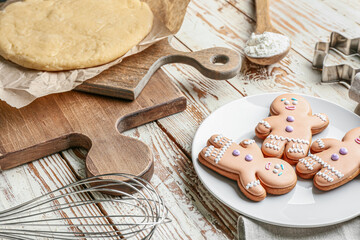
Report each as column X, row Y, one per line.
column 20, row 86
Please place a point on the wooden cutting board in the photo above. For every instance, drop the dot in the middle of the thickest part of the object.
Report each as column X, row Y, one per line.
column 128, row 79
column 75, row 119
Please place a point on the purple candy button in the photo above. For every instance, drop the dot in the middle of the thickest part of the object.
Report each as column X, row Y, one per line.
column 290, row 119
column 248, row 157
column 343, row 151
column 289, row 129
column 236, row 153
column 335, row 157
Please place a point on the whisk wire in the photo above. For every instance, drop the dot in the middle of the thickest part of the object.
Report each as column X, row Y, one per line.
column 137, row 214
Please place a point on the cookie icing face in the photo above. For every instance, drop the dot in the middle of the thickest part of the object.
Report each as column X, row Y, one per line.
column 290, row 104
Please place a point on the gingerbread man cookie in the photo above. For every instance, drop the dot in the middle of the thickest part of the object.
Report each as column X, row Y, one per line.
column 332, row 162
column 288, row 131
column 246, row 164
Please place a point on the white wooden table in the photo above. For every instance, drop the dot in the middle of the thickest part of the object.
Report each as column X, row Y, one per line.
column 196, row 214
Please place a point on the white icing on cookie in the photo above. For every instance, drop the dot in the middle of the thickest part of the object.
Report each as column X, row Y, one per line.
column 249, row 142
column 324, row 165
column 273, row 145
column 325, row 176
column 227, row 143
column 252, row 184
column 322, row 117
column 265, row 123
column 296, row 148
column 320, row 143
column 209, row 150
column 218, row 138
column 295, row 140
column 309, row 164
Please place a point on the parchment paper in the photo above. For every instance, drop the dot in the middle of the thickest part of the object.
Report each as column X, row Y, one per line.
column 20, row 86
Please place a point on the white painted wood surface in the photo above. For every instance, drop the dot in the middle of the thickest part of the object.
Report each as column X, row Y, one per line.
column 195, row 213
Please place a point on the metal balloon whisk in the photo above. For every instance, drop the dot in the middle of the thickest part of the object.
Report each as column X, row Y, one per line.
column 81, row 210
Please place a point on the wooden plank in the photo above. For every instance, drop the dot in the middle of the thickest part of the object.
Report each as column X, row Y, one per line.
column 307, row 22
column 346, row 8
column 28, row 181
column 190, row 204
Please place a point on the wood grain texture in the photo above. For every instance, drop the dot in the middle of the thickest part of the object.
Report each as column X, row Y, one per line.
column 195, row 213
column 75, row 119
column 127, row 79
column 34, row 179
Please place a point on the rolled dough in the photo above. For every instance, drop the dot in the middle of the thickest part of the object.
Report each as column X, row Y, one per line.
column 55, row 35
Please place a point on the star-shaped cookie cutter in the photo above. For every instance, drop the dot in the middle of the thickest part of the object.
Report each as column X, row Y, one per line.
column 339, row 73
column 336, row 73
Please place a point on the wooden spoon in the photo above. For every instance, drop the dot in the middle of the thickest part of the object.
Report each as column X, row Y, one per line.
column 263, row 24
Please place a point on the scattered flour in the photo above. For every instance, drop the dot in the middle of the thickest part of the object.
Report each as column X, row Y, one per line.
column 266, row 45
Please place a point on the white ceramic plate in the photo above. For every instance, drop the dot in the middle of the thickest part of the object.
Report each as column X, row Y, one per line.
column 304, row 206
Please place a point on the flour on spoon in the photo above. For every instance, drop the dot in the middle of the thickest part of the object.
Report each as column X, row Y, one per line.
column 266, row 45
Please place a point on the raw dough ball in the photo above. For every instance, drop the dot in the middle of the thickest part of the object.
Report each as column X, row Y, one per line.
column 55, row 35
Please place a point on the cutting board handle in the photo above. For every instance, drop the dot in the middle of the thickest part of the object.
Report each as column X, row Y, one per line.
column 127, row 79
column 216, row 63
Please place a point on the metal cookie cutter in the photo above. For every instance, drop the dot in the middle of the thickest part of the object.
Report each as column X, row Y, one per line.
column 340, row 73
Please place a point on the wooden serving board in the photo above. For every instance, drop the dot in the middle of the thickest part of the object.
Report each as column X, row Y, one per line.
column 128, row 79
column 75, row 119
